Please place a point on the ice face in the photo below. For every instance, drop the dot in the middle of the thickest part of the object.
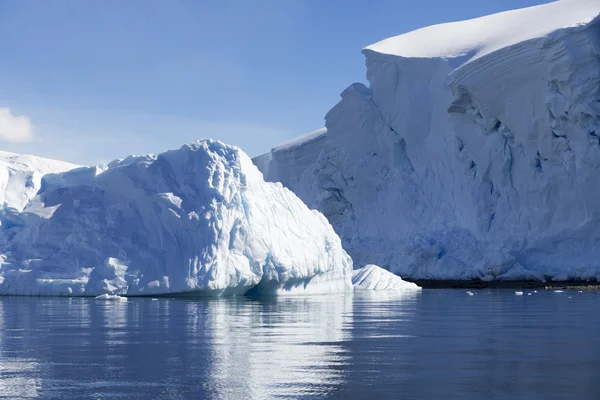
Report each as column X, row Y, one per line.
column 196, row 220
column 477, row 157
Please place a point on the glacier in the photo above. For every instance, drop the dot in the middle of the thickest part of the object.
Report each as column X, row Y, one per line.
column 473, row 154
column 199, row 220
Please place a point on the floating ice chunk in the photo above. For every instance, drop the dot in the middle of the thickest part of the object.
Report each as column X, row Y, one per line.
column 519, row 293
column 112, row 297
column 197, row 220
column 372, row 277
column 470, row 293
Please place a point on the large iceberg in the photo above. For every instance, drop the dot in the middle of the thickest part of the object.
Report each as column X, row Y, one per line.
column 474, row 153
column 198, row 220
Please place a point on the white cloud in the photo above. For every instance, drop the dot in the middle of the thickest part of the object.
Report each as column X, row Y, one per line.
column 13, row 128
column 89, row 137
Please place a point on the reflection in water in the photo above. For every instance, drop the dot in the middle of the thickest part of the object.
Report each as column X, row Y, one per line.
column 291, row 347
column 17, row 374
column 429, row 345
column 173, row 348
column 384, row 314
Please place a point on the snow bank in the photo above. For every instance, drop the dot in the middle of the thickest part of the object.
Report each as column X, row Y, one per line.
column 372, row 277
column 301, row 141
column 474, row 153
column 21, row 176
column 478, row 37
column 195, row 220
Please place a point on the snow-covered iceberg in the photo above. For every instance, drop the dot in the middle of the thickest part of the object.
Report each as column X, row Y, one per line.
column 197, row 220
column 21, row 177
column 474, row 153
column 373, row 277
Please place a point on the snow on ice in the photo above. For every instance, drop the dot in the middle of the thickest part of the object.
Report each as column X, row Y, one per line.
column 21, row 176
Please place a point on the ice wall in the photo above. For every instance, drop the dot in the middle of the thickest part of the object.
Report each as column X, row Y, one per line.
column 474, row 153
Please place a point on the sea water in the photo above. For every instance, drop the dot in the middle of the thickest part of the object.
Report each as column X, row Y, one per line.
column 437, row 344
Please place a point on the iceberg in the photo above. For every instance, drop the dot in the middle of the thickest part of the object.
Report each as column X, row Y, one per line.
column 473, row 154
column 373, row 277
column 199, row 220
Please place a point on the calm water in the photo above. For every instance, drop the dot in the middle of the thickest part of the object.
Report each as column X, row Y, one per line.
column 433, row 345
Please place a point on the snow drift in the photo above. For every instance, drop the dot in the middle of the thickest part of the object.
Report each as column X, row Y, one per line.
column 474, row 153
column 195, row 220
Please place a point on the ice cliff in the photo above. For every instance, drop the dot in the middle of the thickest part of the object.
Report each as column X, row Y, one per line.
column 474, row 153
column 200, row 219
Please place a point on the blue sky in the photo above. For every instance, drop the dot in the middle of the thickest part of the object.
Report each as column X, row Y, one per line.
column 97, row 80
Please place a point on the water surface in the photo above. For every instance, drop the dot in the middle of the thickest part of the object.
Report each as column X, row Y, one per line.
column 432, row 345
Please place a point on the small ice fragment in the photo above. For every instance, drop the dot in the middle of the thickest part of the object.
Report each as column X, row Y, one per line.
column 559, row 291
column 470, row 293
column 519, row 293
column 528, row 294
column 107, row 296
column 373, row 277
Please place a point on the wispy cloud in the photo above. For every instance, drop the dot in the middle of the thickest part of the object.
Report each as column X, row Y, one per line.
column 15, row 128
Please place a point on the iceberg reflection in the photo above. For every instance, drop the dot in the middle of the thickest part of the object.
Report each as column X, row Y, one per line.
column 175, row 348
column 16, row 373
column 287, row 347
